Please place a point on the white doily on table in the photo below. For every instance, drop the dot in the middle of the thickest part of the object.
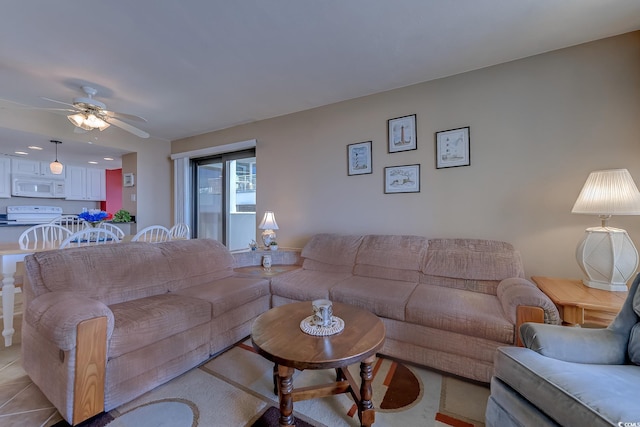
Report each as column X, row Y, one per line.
column 309, row 326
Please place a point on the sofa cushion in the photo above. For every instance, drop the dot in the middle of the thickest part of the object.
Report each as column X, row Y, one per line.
column 144, row 321
column 391, row 257
column 331, row 252
column 383, row 297
column 195, row 262
column 108, row 273
column 633, row 348
column 472, row 259
column 228, row 293
column 305, row 285
column 468, row 313
column 572, row 394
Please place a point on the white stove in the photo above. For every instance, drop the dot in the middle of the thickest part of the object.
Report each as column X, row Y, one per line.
column 33, row 214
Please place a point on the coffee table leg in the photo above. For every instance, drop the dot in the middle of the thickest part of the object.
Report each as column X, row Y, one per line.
column 366, row 411
column 275, row 379
column 285, row 380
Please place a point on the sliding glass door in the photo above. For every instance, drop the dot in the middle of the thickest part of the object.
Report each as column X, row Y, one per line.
column 225, row 198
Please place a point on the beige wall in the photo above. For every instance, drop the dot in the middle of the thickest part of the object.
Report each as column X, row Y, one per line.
column 538, row 127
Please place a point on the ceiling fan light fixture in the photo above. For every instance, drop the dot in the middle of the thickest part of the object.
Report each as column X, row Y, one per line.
column 76, row 119
column 94, row 121
column 104, row 125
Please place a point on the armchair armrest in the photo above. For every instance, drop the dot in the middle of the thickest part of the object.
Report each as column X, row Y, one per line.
column 516, row 291
column 578, row 345
column 56, row 315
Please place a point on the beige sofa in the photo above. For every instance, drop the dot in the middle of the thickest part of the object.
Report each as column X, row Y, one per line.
column 106, row 323
column 446, row 303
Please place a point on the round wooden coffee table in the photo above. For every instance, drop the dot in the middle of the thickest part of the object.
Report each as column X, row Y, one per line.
column 276, row 335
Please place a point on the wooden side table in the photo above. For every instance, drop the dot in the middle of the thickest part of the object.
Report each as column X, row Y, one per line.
column 578, row 304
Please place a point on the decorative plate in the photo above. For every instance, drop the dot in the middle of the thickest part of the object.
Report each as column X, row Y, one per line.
column 310, row 327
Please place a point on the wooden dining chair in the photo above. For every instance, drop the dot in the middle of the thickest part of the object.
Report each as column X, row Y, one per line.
column 114, row 229
column 152, row 234
column 179, row 231
column 90, row 236
column 42, row 235
column 71, row 222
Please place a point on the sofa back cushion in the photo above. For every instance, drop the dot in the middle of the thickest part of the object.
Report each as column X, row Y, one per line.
column 334, row 253
column 196, row 262
column 633, row 348
column 472, row 264
column 392, row 257
column 125, row 271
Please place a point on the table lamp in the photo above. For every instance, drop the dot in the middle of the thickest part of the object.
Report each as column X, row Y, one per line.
column 607, row 255
column 268, row 224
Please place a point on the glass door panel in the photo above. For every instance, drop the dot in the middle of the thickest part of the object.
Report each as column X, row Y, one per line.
column 225, row 203
column 209, row 200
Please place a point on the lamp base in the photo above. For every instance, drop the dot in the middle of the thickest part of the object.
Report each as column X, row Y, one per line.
column 268, row 236
column 605, row 286
column 607, row 258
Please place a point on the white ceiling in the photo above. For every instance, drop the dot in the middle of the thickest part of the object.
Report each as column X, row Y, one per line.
column 194, row 66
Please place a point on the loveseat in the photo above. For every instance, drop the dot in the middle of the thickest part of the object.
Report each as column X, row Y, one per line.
column 445, row 303
column 571, row 376
column 106, row 323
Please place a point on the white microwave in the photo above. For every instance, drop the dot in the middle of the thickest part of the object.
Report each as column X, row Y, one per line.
column 44, row 188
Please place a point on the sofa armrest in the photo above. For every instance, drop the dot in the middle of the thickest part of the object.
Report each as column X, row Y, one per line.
column 56, row 316
column 578, row 345
column 516, row 291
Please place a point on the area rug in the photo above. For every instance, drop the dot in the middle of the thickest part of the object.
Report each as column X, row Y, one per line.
column 236, row 389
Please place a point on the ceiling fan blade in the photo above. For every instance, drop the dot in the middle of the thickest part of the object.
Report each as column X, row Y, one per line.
column 126, row 126
column 125, row 116
column 59, row 102
column 5, row 103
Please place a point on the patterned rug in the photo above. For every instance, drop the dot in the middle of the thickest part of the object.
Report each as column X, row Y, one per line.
column 236, row 389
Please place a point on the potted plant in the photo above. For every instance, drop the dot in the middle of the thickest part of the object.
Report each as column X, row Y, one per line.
column 273, row 246
column 121, row 216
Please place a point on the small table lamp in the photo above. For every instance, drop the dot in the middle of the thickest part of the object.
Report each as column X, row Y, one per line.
column 268, row 224
column 607, row 255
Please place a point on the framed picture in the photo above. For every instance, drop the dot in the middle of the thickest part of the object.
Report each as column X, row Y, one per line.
column 359, row 158
column 402, row 134
column 452, row 148
column 402, row 179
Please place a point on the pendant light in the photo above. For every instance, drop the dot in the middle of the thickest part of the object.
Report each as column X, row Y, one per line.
column 56, row 167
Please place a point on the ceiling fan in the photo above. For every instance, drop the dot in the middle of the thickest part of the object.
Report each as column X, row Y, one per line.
column 88, row 113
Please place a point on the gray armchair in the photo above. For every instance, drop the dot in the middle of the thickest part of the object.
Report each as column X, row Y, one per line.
column 570, row 376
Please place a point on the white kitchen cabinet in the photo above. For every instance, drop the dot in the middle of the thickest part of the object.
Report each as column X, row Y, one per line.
column 5, row 177
column 85, row 184
column 96, row 184
column 25, row 167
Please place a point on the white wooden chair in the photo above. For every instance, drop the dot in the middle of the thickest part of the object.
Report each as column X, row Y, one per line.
column 71, row 222
column 152, row 234
column 42, row 235
column 114, row 229
column 90, row 236
column 179, row 231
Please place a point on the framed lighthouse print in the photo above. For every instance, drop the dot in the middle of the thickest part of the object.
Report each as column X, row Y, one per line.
column 359, row 158
column 402, row 134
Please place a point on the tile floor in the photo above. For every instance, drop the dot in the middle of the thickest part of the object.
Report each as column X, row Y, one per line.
column 21, row 402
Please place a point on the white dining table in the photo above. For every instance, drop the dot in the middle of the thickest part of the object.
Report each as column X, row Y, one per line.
column 10, row 255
